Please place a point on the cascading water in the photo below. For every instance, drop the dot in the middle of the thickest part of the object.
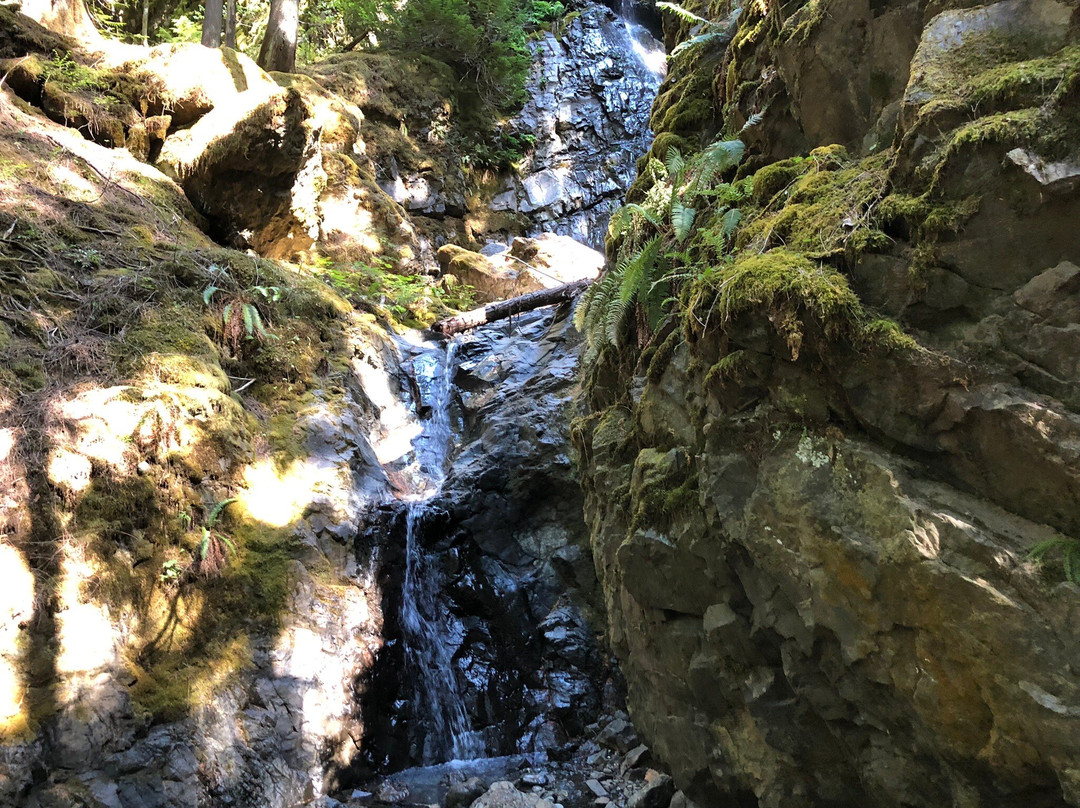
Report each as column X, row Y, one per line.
column 648, row 51
column 428, row 648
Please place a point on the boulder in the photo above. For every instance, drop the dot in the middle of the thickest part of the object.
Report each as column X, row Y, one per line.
column 531, row 264
column 504, row 795
column 463, row 794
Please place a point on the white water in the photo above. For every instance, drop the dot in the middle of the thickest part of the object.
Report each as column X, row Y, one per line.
column 428, row 651
column 648, row 51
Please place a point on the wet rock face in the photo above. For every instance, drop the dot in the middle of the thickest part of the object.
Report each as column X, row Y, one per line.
column 816, row 567
column 505, row 540
column 589, row 110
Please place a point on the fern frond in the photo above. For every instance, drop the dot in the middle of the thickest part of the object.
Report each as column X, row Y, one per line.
column 581, row 308
column 215, row 512
column 715, row 159
column 675, row 164
column 753, row 121
column 616, row 316
column 249, row 326
column 258, row 329
column 1070, row 555
column 700, row 39
column 620, row 222
column 682, row 219
column 731, row 221
column 595, row 320
column 681, row 12
column 646, row 214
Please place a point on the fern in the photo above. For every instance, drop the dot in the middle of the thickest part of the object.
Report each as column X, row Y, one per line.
column 700, row 39
column 648, row 215
column 651, row 256
column 731, row 221
column 1069, row 550
column 682, row 220
column 681, row 12
column 217, row 510
column 211, row 555
column 675, row 164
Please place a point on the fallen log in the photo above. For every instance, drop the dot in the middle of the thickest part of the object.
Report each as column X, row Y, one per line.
column 502, row 309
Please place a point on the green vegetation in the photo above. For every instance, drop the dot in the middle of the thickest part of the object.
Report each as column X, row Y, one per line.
column 703, row 32
column 1066, row 550
column 647, row 241
column 406, row 301
column 820, row 205
column 240, row 316
column 211, row 555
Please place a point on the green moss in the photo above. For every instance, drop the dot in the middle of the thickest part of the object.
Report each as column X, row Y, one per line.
column 662, row 355
column 951, row 73
column 664, row 484
column 775, row 177
column 780, row 277
column 799, row 27
column 687, row 117
column 684, row 105
column 665, row 142
column 888, row 335
column 1004, row 128
column 828, row 204
column 729, row 368
column 926, row 216
column 1022, row 84
column 29, row 374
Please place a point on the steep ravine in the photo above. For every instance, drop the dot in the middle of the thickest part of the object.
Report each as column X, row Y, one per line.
column 204, row 534
column 812, row 538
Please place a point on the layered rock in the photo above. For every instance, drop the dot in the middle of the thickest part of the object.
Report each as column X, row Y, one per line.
column 588, row 108
column 505, row 537
column 813, row 542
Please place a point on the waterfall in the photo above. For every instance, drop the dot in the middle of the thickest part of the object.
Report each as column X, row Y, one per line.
column 647, row 50
column 437, row 698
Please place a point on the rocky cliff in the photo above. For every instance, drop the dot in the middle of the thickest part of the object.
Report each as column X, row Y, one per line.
column 813, row 489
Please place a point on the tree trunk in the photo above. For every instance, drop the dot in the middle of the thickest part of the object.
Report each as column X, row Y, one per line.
column 278, row 50
column 508, row 308
column 146, row 23
column 213, row 23
column 230, row 24
column 68, row 17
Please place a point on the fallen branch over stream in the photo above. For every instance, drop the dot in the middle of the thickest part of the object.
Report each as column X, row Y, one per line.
column 502, row 309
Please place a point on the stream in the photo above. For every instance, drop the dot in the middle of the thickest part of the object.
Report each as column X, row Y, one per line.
column 485, row 656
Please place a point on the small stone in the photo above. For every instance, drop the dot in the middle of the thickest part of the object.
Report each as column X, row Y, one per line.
column 635, row 757
column 595, row 787
column 143, row 467
column 657, row 794
column 680, row 800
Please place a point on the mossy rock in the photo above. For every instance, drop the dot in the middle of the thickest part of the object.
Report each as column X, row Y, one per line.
column 827, row 206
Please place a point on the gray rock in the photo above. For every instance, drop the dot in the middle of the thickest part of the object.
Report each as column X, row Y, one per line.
column 619, row 735
column 589, row 110
column 503, row 795
column 657, row 794
column 638, row 756
column 465, row 793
